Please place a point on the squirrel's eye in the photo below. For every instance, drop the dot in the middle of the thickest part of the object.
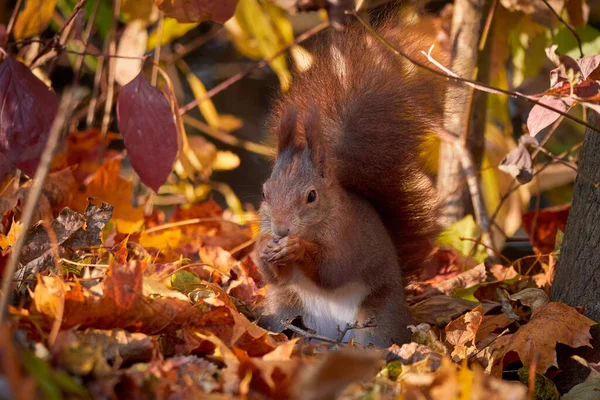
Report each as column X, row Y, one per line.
column 312, row 196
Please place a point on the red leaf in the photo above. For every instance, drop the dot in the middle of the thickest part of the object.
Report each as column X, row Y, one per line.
column 547, row 223
column 198, row 10
column 148, row 126
column 28, row 108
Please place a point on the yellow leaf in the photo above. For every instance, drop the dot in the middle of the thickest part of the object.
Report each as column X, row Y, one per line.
column 206, row 107
column 34, row 19
column 268, row 31
column 229, row 123
column 144, row 10
column 225, row 161
column 10, row 239
column 171, row 30
column 167, row 239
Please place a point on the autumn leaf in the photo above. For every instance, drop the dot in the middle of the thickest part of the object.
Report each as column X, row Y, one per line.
column 147, row 123
column 550, row 324
column 34, row 18
column 28, row 110
column 463, row 330
column 197, row 10
column 542, row 226
column 107, row 185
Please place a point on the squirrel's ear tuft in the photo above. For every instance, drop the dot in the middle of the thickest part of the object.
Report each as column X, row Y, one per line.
column 287, row 129
column 314, row 139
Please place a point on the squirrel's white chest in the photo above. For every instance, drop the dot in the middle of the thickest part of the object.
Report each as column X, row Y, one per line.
column 328, row 310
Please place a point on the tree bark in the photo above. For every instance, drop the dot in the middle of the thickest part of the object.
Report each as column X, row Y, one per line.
column 467, row 22
column 577, row 278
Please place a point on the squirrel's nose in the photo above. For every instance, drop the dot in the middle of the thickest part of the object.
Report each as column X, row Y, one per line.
column 280, row 230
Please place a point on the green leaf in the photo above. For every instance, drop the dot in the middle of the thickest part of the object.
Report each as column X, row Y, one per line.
column 185, row 281
column 544, row 388
column 455, row 234
column 567, row 44
column 469, row 293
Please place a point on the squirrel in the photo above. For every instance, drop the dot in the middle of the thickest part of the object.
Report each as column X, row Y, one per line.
column 348, row 207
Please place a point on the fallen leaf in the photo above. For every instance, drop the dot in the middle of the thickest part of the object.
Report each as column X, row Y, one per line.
column 463, row 330
column 107, row 185
column 146, row 119
column 550, row 324
column 332, row 374
column 28, row 110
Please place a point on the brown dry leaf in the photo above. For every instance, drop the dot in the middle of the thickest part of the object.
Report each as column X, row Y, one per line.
column 57, row 194
column 198, row 10
column 412, row 353
column 453, row 382
column 463, row 330
column 550, row 324
column 531, row 297
column 332, row 374
column 273, row 374
column 466, row 279
column 440, row 309
column 111, row 188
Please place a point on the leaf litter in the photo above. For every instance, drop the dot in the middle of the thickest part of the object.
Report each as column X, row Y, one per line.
column 162, row 308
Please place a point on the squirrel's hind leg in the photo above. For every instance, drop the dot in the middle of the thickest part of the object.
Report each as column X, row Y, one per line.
column 392, row 316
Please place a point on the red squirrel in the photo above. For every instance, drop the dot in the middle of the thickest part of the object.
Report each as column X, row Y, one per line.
column 348, row 206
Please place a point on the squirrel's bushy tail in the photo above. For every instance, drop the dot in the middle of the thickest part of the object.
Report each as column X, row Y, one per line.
column 376, row 110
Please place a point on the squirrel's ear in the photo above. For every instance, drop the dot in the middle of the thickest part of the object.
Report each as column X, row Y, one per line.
column 314, row 139
column 287, row 129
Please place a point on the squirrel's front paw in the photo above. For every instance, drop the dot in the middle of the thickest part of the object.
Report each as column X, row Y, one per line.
column 284, row 250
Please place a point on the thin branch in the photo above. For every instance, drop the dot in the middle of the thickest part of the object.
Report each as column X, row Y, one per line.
column 13, row 17
column 68, row 103
column 86, row 39
column 369, row 323
column 227, row 138
column 225, row 84
column 112, row 49
column 451, row 76
column 565, row 23
column 309, row 335
column 157, row 49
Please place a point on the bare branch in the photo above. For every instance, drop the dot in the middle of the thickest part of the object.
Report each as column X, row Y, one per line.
column 565, row 23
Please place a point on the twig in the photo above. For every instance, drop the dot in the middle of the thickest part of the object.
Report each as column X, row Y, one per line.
column 369, row 323
column 13, row 17
column 466, row 161
column 67, row 104
column 309, row 335
column 43, row 55
column 86, row 39
column 112, row 49
column 504, row 332
column 565, row 23
column 567, row 164
column 451, row 76
column 161, row 20
column 225, row 84
column 227, row 138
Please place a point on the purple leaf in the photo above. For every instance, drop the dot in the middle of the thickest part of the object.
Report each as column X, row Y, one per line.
column 518, row 164
column 540, row 117
column 148, row 126
column 27, row 110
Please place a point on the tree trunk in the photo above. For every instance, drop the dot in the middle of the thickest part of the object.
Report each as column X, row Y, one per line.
column 467, row 22
column 577, row 277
